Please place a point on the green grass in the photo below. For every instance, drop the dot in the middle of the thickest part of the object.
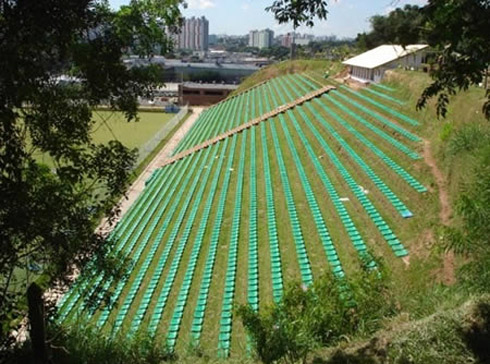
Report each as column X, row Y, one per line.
column 110, row 125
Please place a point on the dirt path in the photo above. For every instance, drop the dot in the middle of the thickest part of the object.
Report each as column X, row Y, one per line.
column 445, row 213
column 164, row 154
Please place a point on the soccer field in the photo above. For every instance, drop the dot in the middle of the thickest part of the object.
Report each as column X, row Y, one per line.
column 111, row 125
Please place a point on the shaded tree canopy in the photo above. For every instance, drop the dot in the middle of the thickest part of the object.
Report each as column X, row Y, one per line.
column 400, row 26
column 458, row 31
column 60, row 59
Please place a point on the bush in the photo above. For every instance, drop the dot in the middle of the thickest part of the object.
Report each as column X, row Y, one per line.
column 308, row 318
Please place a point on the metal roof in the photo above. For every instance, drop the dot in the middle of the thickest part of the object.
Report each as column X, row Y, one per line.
column 229, row 66
column 214, row 86
column 383, row 54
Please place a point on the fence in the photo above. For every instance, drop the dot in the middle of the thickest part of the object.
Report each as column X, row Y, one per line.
column 150, row 145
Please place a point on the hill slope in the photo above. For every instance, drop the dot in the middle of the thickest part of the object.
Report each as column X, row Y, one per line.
column 317, row 188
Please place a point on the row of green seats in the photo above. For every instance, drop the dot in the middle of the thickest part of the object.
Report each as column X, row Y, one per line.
column 119, row 230
column 178, row 187
column 279, row 91
column 402, row 147
column 276, row 269
column 253, row 252
column 387, row 160
column 90, row 283
column 347, row 222
column 373, row 213
column 402, row 131
column 322, row 230
column 206, row 126
column 197, row 128
column 353, row 233
column 223, row 122
column 177, row 258
column 301, row 253
column 178, row 313
column 136, row 247
column 382, row 107
column 344, row 215
column 285, row 85
column 260, row 94
column 275, row 253
column 199, row 312
column 385, row 190
column 220, row 122
column 384, row 96
column 370, row 112
column 161, row 264
column 225, row 324
column 304, row 264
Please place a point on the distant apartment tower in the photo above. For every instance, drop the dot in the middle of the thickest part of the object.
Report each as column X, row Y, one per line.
column 260, row 38
column 286, row 40
column 194, row 34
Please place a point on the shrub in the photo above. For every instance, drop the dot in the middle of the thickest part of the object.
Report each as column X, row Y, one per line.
column 308, row 318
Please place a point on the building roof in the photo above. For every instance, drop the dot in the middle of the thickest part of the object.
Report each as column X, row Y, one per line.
column 210, row 86
column 229, row 66
column 383, row 54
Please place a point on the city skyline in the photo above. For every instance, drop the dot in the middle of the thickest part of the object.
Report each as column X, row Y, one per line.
column 346, row 18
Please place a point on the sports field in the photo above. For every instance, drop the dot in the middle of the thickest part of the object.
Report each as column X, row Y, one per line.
column 322, row 186
column 110, row 125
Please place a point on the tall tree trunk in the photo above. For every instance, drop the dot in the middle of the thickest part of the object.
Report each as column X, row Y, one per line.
column 36, row 320
column 293, row 45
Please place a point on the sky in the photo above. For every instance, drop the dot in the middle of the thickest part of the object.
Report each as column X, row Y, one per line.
column 346, row 18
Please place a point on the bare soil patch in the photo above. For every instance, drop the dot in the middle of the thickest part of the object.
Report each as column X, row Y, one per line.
column 447, row 272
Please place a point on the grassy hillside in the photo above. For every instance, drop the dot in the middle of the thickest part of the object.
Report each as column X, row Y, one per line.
column 288, row 67
column 240, row 219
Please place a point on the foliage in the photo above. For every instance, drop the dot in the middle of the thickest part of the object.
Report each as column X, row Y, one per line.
column 472, row 235
column 458, row 335
column 308, row 318
column 275, row 52
column 400, row 26
column 459, row 31
column 48, row 216
column 298, row 12
column 82, row 344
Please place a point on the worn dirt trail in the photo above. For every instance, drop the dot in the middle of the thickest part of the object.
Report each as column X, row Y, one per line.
column 445, row 213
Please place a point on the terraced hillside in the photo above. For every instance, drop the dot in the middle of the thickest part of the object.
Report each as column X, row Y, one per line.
column 323, row 186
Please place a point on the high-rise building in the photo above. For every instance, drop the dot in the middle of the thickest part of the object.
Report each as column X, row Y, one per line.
column 260, row 38
column 194, row 34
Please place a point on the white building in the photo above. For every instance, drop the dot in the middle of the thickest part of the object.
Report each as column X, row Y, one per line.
column 194, row 34
column 370, row 66
column 261, row 38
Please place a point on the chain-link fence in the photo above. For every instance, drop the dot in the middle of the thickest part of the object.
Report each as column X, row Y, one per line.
column 150, row 145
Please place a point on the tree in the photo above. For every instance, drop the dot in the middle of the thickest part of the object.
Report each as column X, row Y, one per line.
column 400, row 26
column 48, row 213
column 299, row 13
column 458, row 31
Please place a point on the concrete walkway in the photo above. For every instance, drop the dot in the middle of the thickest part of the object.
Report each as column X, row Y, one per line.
column 159, row 160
